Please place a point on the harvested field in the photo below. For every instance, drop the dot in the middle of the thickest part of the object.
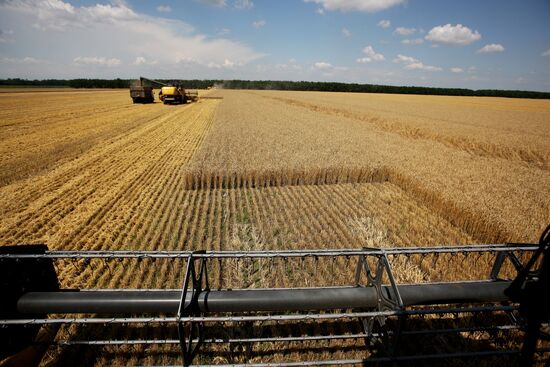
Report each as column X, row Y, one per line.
column 39, row 131
column 97, row 184
column 262, row 219
column 266, row 170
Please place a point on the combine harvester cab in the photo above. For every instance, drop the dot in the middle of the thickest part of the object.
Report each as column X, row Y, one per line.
column 176, row 95
column 172, row 95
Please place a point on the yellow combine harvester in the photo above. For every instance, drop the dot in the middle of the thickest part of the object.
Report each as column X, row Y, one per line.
column 176, row 94
column 169, row 94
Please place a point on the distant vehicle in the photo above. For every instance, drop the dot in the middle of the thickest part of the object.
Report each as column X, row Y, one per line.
column 141, row 93
column 169, row 94
column 176, row 94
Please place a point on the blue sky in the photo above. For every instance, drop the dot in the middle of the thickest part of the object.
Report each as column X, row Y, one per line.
column 471, row 44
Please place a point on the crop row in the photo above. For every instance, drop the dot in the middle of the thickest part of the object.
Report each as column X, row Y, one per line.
column 54, row 206
column 476, row 128
column 492, row 198
column 52, row 130
column 290, row 217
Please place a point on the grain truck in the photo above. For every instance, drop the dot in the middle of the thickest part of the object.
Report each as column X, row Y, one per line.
column 142, row 93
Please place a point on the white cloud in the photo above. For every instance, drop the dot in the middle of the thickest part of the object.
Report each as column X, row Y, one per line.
column 404, row 31
column 322, row 65
column 491, row 48
column 421, row 66
column 546, row 53
column 243, row 4
column 370, row 6
column 217, row 3
column 140, row 60
column 414, row 64
column 5, row 35
column 25, row 60
column 325, row 66
column 457, row 70
column 320, row 11
column 370, row 55
column 402, row 59
column 346, row 32
column 130, row 35
column 187, row 61
column 226, row 64
column 384, row 23
column 164, row 9
column 292, row 65
column 259, row 24
column 326, row 69
column 416, row 41
column 102, row 61
column 237, row 4
column 58, row 15
column 453, row 34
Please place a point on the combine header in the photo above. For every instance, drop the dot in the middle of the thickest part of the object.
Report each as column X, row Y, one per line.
column 389, row 321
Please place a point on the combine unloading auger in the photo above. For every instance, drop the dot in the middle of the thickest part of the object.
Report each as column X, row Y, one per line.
column 398, row 322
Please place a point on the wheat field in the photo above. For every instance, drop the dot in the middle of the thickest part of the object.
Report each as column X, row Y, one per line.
column 267, row 170
column 314, row 137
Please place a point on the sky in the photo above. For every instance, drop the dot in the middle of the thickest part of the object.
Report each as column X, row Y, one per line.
column 481, row 44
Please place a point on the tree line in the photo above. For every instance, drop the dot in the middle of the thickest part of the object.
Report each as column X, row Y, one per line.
column 280, row 85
